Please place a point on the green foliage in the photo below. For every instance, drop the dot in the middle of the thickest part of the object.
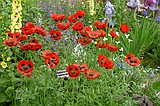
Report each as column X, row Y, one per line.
column 44, row 89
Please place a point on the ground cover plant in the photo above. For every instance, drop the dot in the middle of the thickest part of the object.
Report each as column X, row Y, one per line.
column 79, row 52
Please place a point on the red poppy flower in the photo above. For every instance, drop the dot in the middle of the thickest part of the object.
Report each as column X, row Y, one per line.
column 124, row 28
column 39, row 30
column 16, row 35
column 33, row 40
column 102, row 33
column 132, row 60
column 103, row 45
column 22, row 38
column 83, row 67
column 109, row 64
column 93, row 34
column 31, row 46
column 30, row 24
column 113, row 34
column 63, row 25
column 105, row 62
column 11, row 42
column 52, row 60
column 91, row 74
column 78, row 26
column 25, row 67
column 80, row 13
column 25, row 47
column 73, row 18
column 73, row 70
column 56, row 35
column 100, row 25
column 45, row 53
column 9, row 33
column 85, row 29
column 35, row 47
column 57, row 17
column 84, row 41
column 112, row 47
column 27, row 30
column 102, row 60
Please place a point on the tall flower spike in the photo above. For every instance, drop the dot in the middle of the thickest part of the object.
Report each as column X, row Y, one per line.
column 109, row 9
column 131, row 3
column 16, row 19
column 91, row 7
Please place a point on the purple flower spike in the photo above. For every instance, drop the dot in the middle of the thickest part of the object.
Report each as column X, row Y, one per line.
column 150, row 3
column 158, row 19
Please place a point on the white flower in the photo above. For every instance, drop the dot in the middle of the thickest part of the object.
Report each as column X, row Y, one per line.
column 121, row 49
column 127, row 35
column 109, row 34
column 117, row 33
column 105, row 38
column 117, row 42
column 94, row 42
column 130, row 40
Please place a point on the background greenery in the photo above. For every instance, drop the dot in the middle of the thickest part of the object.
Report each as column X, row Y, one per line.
column 114, row 87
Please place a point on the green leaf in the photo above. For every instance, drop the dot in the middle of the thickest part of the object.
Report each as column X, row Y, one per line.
column 2, row 98
column 9, row 91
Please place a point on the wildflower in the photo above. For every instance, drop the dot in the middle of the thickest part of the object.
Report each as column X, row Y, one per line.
column 83, row 67
column 45, row 53
column 105, row 38
column 129, row 40
column 113, row 34
column 132, row 60
column 5, row 48
column 0, row 17
column 73, row 18
column 78, row 26
column 80, row 13
column 63, row 25
column 73, row 70
column 121, row 49
column 109, row 9
column 105, row 62
column 91, row 74
column 150, row 4
column 39, row 30
column 91, row 6
column 52, row 60
column 158, row 19
column 32, row 45
column 25, row 67
column 103, row 45
column 100, row 25
column 16, row 19
column 112, row 47
column 4, row 64
column 85, row 30
column 56, row 35
column 2, row 55
column 117, row 42
column 127, row 35
column 124, row 28
column 93, row 34
column 133, row 4
column 57, row 17
column 27, row 30
column 8, row 58
column 11, row 42
column 101, row 32
column 30, row 25
column 84, row 41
